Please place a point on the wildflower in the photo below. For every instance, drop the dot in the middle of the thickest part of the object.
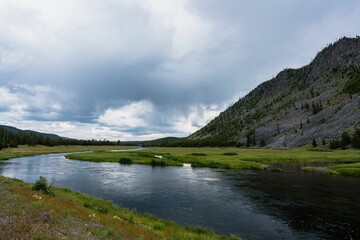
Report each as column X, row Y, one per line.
column 37, row 197
column 118, row 218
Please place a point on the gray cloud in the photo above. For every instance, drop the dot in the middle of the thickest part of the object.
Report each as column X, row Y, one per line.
column 81, row 64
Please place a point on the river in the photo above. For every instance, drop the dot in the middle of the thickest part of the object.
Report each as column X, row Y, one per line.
column 252, row 204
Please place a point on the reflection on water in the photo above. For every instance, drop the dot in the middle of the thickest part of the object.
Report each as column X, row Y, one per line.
column 255, row 205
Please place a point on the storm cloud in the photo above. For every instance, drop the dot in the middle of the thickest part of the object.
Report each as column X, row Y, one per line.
column 143, row 69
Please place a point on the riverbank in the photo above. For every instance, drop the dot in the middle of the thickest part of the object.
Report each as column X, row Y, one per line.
column 25, row 151
column 143, row 157
column 341, row 162
column 28, row 214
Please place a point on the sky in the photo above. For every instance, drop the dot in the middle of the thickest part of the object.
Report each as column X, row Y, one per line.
column 146, row 69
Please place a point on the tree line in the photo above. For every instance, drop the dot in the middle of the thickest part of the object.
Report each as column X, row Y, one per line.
column 14, row 139
column 346, row 141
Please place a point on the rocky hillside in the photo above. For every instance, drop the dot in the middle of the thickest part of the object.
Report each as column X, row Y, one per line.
column 318, row 101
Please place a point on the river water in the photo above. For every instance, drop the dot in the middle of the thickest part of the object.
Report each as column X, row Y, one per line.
column 252, row 204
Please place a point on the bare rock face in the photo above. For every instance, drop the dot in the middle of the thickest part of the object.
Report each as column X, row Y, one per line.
column 318, row 101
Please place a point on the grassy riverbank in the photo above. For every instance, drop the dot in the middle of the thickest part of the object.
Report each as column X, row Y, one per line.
column 344, row 169
column 23, row 151
column 229, row 158
column 137, row 157
column 224, row 158
column 27, row 214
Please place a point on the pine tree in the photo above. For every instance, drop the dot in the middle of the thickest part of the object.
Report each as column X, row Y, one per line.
column 345, row 140
column 314, row 144
column 356, row 139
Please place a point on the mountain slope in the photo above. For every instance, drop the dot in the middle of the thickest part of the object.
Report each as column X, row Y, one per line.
column 318, row 101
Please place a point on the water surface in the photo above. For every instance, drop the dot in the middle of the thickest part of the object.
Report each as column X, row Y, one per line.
column 255, row 205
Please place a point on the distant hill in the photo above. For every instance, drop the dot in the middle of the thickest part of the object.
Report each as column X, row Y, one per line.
column 12, row 137
column 44, row 135
column 157, row 142
column 318, row 101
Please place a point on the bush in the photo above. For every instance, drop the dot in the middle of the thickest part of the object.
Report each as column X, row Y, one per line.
column 356, row 139
column 345, row 140
column 353, row 85
column 230, row 153
column 125, row 161
column 314, row 144
column 262, row 142
column 42, row 185
column 158, row 163
column 334, row 144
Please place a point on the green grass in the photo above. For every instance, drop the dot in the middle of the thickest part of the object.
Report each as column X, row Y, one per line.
column 224, row 158
column 343, row 169
column 23, row 151
column 137, row 157
column 349, row 169
column 78, row 216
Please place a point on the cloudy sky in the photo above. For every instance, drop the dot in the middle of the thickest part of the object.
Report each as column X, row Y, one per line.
column 144, row 69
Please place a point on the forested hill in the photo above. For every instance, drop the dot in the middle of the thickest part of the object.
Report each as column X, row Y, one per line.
column 317, row 102
column 29, row 132
column 12, row 137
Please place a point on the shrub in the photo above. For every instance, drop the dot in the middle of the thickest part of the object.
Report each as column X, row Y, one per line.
column 262, row 142
column 345, row 140
column 230, row 153
column 356, row 139
column 314, row 144
column 353, row 85
column 158, row 226
column 158, row 163
column 334, row 144
column 42, row 185
column 125, row 161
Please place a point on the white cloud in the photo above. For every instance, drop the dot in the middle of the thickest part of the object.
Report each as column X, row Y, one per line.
column 197, row 117
column 19, row 102
column 132, row 115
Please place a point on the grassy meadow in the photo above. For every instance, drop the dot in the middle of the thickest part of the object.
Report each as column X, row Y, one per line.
column 229, row 158
column 28, row 214
column 137, row 157
column 223, row 158
column 24, row 150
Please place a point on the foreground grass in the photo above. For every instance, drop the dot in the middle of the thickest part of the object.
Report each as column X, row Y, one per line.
column 25, row 214
column 23, row 151
column 225, row 158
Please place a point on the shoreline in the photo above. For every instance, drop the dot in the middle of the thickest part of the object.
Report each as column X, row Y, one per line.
column 34, row 215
